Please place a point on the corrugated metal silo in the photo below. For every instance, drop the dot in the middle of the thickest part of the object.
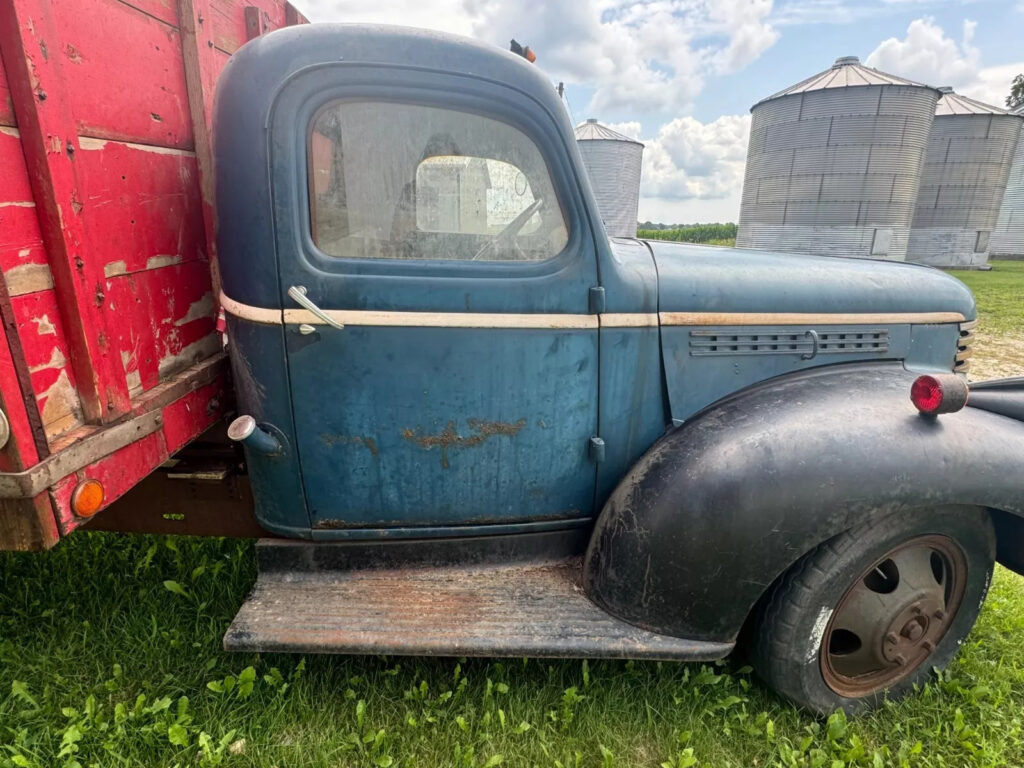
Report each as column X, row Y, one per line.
column 962, row 182
column 613, row 163
column 1008, row 236
column 833, row 164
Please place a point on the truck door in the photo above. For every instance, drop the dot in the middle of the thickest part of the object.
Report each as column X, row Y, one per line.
column 444, row 230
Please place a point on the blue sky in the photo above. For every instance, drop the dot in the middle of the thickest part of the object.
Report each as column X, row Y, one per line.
column 681, row 75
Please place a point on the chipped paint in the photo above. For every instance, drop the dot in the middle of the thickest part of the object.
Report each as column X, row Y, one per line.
column 448, row 438
column 61, row 408
column 163, row 260
column 115, row 268
column 10, row 131
column 132, row 376
column 199, row 350
column 24, row 252
column 90, row 144
column 43, row 326
column 57, row 360
column 28, row 278
column 198, row 310
column 19, row 204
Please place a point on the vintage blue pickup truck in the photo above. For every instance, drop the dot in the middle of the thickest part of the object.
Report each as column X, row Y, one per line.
column 479, row 426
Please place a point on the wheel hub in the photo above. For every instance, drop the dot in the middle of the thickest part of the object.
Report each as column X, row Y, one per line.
column 893, row 616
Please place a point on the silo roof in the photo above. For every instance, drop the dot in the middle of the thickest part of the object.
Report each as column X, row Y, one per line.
column 951, row 103
column 592, row 130
column 846, row 72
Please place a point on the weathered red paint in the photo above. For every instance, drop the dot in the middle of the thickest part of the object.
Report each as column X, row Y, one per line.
column 134, row 97
column 158, row 189
column 106, row 232
column 47, row 129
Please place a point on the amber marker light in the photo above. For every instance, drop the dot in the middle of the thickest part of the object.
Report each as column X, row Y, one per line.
column 87, row 498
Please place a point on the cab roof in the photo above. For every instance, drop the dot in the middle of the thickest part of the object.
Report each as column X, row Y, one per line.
column 256, row 70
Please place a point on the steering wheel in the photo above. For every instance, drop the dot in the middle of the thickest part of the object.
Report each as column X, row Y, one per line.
column 508, row 234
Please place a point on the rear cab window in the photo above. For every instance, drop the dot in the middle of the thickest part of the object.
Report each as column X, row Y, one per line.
column 406, row 181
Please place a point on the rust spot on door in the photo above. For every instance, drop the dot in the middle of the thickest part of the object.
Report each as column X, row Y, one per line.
column 449, row 438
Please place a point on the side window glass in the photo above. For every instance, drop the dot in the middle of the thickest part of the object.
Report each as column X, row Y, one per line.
column 404, row 181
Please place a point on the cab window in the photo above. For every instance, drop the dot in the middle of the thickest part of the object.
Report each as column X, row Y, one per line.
column 405, row 181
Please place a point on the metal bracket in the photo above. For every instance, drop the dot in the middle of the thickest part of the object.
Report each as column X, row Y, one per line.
column 595, row 299
column 33, row 481
column 596, row 449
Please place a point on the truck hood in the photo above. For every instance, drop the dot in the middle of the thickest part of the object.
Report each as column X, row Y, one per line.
column 696, row 278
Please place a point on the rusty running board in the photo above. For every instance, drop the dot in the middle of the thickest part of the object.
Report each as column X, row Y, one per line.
column 517, row 610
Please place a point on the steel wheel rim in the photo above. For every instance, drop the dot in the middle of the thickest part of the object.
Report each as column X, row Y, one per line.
column 890, row 620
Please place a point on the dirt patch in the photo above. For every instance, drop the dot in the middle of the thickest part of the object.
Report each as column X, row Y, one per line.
column 997, row 355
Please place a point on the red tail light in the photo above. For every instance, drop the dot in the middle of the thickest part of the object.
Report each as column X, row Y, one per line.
column 940, row 393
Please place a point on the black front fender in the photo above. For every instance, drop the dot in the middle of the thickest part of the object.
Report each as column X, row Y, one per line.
column 716, row 510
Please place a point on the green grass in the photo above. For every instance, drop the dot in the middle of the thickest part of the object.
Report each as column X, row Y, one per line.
column 714, row 234
column 1000, row 295
column 110, row 656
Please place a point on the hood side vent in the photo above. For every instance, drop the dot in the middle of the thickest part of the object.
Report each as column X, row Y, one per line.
column 788, row 341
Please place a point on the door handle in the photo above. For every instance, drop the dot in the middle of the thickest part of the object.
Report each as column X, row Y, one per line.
column 298, row 292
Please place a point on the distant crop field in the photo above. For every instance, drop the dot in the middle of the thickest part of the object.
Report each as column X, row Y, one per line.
column 709, row 234
column 110, row 655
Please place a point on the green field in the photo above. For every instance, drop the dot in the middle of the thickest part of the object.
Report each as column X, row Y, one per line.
column 110, row 656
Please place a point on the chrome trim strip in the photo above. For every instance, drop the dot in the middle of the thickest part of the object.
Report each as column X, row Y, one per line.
column 608, row 320
column 805, row 318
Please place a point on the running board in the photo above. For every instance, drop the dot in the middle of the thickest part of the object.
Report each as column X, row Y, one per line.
column 462, row 609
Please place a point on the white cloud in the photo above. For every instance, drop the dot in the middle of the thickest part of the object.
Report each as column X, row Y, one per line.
column 926, row 54
column 930, row 56
column 692, row 171
column 637, row 55
column 689, row 159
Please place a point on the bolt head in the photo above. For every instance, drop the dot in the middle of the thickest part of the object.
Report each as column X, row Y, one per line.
column 928, row 645
column 939, row 615
column 892, row 638
column 900, row 659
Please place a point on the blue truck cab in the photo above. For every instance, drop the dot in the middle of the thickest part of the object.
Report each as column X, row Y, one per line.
column 452, row 382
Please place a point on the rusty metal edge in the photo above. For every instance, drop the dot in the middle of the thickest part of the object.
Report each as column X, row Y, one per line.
column 82, row 453
column 31, row 482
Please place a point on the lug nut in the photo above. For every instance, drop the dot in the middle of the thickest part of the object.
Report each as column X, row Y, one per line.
column 928, row 645
column 900, row 659
column 891, row 638
column 916, row 610
column 939, row 615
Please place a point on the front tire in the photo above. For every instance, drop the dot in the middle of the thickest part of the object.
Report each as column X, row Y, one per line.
column 871, row 612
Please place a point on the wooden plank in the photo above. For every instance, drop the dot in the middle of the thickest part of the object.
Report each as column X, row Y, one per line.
column 293, row 16
column 6, row 105
column 126, row 77
column 146, row 202
column 254, row 22
column 27, row 525
column 49, row 142
column 168, row 321
column 202, row 66
column 46, row 357
column 164, row 10
column 230, row 27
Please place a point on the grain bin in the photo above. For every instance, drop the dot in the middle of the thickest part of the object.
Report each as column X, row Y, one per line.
column 1008, row 236
column 833, row 164
column 613, row 164
column 962, row 182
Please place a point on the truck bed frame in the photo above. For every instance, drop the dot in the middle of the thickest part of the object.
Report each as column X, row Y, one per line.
column 111, row 359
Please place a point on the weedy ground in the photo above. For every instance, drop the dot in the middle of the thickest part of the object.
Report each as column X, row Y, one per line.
column 110, row 656
column 1000, row 295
